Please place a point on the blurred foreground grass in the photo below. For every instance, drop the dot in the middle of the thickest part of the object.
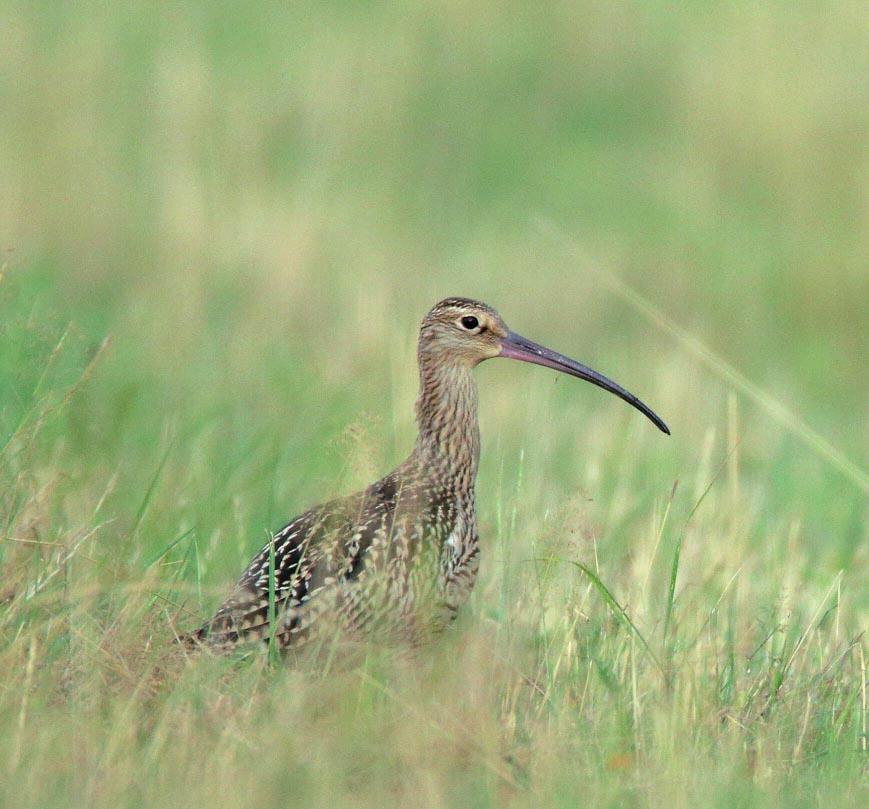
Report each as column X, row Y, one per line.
column 221, row 227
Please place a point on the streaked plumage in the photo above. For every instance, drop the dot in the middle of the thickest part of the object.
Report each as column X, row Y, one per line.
column 399, row 558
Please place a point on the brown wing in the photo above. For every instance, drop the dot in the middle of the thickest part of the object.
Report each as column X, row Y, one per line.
column 322, row 547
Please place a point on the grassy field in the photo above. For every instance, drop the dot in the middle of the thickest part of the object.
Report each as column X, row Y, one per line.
column 221, row 224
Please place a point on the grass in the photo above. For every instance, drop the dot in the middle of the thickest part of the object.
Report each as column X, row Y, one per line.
column 220, row 231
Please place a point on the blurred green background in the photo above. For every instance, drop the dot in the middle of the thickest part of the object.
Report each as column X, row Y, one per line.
column 255, row 204
column 258, row 203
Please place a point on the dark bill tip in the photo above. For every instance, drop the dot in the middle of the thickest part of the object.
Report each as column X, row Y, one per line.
column 516, row 347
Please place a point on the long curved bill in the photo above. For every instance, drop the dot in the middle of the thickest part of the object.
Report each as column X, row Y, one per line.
column 517, row 347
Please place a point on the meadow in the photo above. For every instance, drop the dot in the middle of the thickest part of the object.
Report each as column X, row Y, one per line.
column 220, row 226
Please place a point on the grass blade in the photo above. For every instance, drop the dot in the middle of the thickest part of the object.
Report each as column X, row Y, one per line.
column 616, row 608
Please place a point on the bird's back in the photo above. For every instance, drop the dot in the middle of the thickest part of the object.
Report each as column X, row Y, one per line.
column 395, row 559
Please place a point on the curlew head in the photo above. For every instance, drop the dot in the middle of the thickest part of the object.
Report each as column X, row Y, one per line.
column 466, row 332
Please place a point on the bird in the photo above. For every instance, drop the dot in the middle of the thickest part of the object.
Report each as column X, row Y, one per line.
column 398, row 559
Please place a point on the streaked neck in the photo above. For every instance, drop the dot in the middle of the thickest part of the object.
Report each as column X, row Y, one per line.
column 446, row 413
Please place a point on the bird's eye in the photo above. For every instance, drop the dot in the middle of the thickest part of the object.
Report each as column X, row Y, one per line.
column 470, row 322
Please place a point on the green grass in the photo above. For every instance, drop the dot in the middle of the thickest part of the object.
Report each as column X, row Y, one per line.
column 220, row 227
